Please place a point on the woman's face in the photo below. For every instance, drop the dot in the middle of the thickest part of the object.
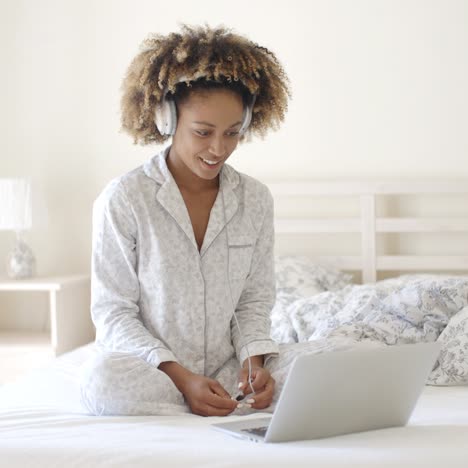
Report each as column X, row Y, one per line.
column 207, row 131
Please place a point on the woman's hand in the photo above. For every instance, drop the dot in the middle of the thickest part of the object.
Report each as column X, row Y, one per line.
column 207, row 397
column 263, row 384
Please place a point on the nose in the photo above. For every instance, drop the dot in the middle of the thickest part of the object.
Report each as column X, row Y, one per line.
column 217, row 147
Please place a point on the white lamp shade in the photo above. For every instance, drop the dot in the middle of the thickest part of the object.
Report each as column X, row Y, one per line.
column 15, row 204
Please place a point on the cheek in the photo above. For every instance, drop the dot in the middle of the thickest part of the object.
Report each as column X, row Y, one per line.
column 193, row 145
column 233, row 145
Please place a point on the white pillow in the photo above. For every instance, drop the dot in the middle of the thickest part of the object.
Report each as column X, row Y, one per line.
column 301, row 276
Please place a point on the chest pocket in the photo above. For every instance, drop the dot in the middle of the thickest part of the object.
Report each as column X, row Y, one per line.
column 241, row 249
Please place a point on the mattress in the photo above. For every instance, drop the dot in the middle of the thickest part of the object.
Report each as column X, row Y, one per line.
column 42, row 424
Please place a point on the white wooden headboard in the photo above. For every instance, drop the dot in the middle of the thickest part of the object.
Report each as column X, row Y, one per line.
column 368, row 224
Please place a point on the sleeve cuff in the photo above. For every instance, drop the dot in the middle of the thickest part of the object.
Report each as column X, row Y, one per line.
column 257, row 348
column 158, row 355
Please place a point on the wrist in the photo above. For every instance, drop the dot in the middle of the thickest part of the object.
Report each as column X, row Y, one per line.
column 256, row 361
column 177, row 373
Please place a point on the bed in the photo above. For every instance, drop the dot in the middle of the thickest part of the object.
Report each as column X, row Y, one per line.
column 43, row 424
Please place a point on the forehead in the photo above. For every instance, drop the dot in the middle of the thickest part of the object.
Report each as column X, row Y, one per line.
column 220, row 104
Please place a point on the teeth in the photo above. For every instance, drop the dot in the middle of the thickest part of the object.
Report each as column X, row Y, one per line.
column 209, row 162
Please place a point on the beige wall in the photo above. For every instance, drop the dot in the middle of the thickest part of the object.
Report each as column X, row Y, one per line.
column 379, row 91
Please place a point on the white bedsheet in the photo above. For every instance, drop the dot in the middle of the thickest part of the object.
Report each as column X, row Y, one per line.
column 42, row 425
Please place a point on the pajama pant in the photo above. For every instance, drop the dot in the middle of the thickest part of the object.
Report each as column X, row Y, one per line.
column 122, row 384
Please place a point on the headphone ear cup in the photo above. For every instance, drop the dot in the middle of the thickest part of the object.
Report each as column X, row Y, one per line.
column 247, row 116
column 172, row 116
column 165, row 116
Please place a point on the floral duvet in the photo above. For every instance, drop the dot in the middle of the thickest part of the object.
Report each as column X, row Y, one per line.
column 407, row 309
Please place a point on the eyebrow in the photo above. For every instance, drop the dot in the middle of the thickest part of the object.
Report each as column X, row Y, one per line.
column 211, row 125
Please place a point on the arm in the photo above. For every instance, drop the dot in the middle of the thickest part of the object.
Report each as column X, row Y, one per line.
column 115, row 288
column 258, row 296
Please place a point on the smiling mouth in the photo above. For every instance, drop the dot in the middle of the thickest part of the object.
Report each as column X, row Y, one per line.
column 209, row 163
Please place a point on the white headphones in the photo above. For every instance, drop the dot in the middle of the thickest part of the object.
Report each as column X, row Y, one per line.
column 165, row 114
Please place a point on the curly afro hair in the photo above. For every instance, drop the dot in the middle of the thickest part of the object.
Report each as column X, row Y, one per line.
column 209, row 58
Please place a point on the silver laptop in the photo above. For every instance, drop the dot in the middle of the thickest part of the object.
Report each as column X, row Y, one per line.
column 340, row 392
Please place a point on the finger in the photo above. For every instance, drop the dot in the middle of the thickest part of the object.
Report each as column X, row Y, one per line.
column 243, row 380
column 220, row 402
column 249, row 386
column 261, row 379
column 209, row 410
column 263, row 398
column 219, row 390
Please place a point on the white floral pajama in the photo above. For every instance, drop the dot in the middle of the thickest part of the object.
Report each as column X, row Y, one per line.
column 155, row 297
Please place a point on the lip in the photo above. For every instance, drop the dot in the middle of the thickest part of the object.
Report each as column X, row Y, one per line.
column 213, row 166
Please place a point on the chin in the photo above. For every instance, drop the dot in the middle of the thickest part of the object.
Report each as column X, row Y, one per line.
column 208, row 176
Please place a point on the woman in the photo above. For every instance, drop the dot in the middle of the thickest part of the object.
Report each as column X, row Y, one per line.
column 184, row 240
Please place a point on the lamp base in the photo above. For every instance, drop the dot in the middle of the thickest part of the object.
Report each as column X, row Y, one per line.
column 21, row 263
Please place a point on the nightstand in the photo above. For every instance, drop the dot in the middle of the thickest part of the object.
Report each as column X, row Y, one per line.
column 70, row 319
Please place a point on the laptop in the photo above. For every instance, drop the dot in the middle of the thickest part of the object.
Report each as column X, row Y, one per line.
column 340, row 392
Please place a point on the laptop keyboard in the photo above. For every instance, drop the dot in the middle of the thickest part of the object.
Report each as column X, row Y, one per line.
column 260, row 431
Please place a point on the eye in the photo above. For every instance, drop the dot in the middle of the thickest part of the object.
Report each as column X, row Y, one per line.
column 204, row 134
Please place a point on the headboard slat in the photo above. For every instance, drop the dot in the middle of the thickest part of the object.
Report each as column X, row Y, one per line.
column 368, row 225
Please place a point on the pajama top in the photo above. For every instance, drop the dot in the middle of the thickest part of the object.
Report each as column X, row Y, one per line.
column 156, row 296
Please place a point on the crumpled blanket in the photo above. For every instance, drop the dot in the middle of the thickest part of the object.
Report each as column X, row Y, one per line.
column 402, row 310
